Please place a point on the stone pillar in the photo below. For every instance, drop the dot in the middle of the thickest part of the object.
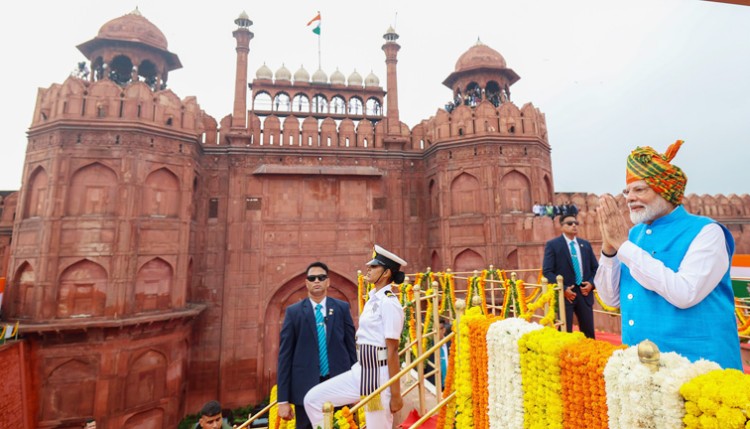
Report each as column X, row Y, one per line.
column 243, row 36
column 391, row 48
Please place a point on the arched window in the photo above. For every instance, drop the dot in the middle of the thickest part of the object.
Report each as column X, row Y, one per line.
column 374, row 107
column 82, row 290
column 92, row 191
column 120, row 70
column 355, row 106
column 161, row 196
column 320, row 104
column 262, row 101
column 338, row 105
column 37, row 194
column 301, row 103
column 148, row 71
column 281, row 102
column 516, row 195
column 465, row 194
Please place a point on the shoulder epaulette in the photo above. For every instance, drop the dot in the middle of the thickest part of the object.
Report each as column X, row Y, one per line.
column 389, row 293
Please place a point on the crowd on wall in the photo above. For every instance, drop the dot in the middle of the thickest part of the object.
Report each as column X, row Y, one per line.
column 551, row 210
column 475, row 95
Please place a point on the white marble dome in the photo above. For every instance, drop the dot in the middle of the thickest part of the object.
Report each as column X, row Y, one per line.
column 283, row 73
column 264, row 72
column 301, row 75
column 320, row 77
column 355, row 79
column 338, row 78
column 372, row 80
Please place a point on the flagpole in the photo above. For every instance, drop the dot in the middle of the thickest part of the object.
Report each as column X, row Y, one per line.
column 320, row 30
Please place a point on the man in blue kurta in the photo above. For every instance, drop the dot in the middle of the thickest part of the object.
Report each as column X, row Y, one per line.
column 670, row 273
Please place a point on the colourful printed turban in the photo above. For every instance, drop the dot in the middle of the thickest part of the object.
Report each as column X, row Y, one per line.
column 667, row 180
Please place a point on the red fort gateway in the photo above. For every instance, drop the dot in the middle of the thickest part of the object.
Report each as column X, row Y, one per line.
column 154, row 249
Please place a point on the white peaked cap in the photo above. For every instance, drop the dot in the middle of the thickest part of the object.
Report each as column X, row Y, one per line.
column 385, row 258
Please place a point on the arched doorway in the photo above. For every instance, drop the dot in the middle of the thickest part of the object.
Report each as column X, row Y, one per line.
column 289, row 293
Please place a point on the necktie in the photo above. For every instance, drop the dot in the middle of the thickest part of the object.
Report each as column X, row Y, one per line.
column 322, row 348
column 576, row 265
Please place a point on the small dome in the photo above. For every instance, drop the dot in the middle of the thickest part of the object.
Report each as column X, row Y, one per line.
column 338, row 78
column 264, row 72
column 301, row 75
column 355, row 79
column 133, row 27
column 372, row 80
column 320, row 77
column 480, row 55
column 283, row 73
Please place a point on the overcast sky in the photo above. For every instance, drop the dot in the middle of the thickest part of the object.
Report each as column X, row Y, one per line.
column 609, row 75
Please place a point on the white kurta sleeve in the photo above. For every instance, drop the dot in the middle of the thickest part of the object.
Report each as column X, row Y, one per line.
column 607, row 280
column 703, row 266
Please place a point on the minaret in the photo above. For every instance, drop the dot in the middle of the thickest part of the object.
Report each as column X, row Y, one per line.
column 393, row 123
column 243, row 36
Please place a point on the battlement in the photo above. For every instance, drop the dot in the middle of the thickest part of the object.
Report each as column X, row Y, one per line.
column 104, row 101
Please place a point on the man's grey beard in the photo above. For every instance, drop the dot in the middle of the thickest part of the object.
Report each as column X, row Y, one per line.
column 658, row 208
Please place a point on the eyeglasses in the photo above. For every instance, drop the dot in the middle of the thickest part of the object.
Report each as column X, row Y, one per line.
column 638, row 191
column 319, row 277
column 571, row 222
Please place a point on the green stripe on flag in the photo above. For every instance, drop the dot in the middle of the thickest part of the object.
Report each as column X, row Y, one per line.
column 316, row 30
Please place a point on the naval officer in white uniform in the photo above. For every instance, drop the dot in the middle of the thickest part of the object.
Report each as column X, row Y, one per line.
column 378, row 336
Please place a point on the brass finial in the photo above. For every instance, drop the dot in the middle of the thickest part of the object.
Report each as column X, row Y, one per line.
column 649, row 354
column 476, row 301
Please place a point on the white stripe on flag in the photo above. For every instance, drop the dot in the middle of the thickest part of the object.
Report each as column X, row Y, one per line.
column 739, row 272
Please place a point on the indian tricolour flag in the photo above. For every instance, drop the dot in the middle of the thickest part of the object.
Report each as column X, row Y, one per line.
column 315, row 21
column 2, row 290
column 740, row 273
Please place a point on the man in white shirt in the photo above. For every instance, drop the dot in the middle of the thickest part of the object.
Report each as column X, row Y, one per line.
column 670, row 273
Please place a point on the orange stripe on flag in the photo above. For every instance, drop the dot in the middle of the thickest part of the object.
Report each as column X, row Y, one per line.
column 317, row 18
column 740, row 266
column 2, row 284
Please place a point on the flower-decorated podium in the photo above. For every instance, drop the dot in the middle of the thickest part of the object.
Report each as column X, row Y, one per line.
column 513, row 374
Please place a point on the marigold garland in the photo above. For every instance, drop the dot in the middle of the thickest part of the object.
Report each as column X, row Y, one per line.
column 447, row 414
column 363, row 291
column 583, row 389
column 604, row 306
column 546, row 298
column 273, row 413
column 718, row 399
column 743, row 327
column 478, row 343
column 475, row 287
column 521, row 294
column 505, row 393
column 464, row 405
column 540, row 375
column 534, row 294
column 427, row 340
column 274, row 422
column 448, row 294
column 343, row 419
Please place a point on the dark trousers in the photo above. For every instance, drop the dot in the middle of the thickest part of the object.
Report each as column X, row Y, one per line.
column 584, row 313
column 301, row 419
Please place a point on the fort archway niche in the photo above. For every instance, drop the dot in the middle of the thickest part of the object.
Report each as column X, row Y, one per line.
column 291, row 292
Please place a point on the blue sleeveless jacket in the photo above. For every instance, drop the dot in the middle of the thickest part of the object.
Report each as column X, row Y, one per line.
column 706, row 330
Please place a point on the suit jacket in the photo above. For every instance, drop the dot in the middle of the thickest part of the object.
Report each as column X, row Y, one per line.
column 557, row 261
column 299, row 366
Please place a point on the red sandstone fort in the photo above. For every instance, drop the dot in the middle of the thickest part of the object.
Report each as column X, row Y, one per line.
column 151, row 250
